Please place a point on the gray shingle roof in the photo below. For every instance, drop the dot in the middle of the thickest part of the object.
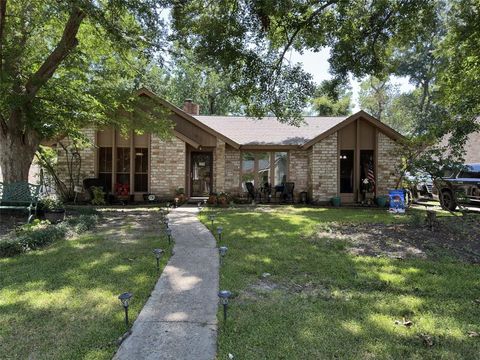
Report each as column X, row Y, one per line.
column 268, row 130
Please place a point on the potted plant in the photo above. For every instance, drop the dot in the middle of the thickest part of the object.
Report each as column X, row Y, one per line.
column 336, row 201
column 212, row 199
column 223, row 199
column 180, row 196
column 53, row 209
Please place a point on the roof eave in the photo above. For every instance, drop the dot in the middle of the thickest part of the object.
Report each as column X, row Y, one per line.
column 387, row 130
column 186, row 116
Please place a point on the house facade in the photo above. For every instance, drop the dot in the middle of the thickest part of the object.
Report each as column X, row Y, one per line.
column 325, row 157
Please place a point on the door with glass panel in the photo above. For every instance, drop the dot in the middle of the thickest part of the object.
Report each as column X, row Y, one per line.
column 201, row 173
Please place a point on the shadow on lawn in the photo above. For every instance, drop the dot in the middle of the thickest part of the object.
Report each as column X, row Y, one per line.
column 65, row 296
column 355, row 317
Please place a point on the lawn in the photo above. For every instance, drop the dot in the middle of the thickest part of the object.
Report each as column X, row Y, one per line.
column 61, row 302
column 323, row 302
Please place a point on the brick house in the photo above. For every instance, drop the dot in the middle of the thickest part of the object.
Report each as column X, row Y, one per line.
column 325, row 157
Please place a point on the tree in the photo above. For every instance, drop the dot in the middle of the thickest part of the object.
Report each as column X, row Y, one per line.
column 70, row 63
column 187, row 80
column 64, row 65
column 376, row 95
column 332, row 99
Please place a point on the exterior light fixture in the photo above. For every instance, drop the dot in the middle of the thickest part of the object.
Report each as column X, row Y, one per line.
column 224, row 295
column 165, row 221
column 168, row 231
column 219, row 232
column 125, row 299
column 158, row 254
column 222, row 251
column 212, row 217
column 199, row 205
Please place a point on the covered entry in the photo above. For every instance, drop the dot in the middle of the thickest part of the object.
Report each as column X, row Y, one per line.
column 357, row 144
column 201, row 171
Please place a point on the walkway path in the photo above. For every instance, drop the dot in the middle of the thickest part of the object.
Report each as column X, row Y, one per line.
column 179, row 319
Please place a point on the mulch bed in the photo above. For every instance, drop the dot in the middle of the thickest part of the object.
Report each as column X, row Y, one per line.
column 456, row 236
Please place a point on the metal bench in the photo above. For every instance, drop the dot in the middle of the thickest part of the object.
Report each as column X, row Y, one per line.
column 20, row 195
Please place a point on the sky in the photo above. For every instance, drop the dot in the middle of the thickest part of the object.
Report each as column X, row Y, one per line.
column 317, row 65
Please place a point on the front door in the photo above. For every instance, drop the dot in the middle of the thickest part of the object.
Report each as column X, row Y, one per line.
column 201, row 173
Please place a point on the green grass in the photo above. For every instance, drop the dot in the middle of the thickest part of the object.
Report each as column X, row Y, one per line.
column 61, row 302
column 348, row 306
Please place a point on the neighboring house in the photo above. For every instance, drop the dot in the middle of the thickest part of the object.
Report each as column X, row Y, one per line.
column 325, row 157
column 472, row 147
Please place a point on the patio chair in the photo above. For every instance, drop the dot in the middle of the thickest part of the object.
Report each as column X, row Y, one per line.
column 266, row 191
column 281, row 188
column 288, row 192
column 252, row 193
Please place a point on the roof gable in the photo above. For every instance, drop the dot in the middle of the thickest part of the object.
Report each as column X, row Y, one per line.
column 248, row 132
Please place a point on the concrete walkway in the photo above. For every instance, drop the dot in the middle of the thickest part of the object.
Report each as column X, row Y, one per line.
column 179, row 319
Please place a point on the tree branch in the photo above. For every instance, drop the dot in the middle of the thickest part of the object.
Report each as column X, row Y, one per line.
column 3, row 11
column 67, row 43
column 298, row 29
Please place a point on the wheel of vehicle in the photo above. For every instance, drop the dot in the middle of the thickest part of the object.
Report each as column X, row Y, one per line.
column 447, row 201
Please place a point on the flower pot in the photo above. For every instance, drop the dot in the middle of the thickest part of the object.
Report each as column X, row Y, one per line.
column 55, row 216
column 336, row 201
column 381, row 201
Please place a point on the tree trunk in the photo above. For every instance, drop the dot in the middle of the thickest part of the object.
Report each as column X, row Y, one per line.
column 16, row 155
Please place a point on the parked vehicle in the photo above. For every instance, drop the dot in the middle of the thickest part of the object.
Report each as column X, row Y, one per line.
column 460, row 188
column 420, row 185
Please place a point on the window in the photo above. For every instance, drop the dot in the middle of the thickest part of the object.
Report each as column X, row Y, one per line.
column 367, row 171
column 123, row 161
column 280, row 168
column 248, row 169
column 469, row 175
column 141, row 169
column 264, row 167
column 346, row 171
column 123, row 166
column 105, row 166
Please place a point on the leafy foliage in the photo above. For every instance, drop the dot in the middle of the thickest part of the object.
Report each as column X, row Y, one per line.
column 332, row 99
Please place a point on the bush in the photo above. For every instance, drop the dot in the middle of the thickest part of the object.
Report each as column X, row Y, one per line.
column 98, row 195
column 39, row 234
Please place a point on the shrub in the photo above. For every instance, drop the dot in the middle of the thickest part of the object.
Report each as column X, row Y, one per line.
column 41, row 233
column 98, row 195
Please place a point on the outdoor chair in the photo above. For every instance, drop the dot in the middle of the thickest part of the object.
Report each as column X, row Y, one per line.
column 252, row 193
column 281, row 188
column 288, row 192
column 266, row 191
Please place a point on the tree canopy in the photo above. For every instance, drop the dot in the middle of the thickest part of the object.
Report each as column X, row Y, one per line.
column 67, row 64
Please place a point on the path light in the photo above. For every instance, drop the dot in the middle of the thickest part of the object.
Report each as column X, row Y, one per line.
column 125, row 299
column 165, row 221
column 224, row 295
column 223, row 251
column 158, row 254
column 219, row 232
column 168, row 231
column 212, row 217
column 199, row 205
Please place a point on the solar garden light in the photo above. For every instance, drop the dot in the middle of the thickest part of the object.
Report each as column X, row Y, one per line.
column 158, row 254
column 168, row 231
column 199, row 205
column 222, row 251
column 219, row 232
column 125, row 299
column 224, row 295
column 165, row 221
column 212, row 217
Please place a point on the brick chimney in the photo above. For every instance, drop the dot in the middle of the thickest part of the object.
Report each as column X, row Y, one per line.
column 190, row 107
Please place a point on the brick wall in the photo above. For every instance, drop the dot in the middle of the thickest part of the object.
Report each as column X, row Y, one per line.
column 167, row 162
column 87, row 156
column 388, row 164
column 219, row 167
column 323, row 164
column 298, row 170
column 473, row 148
column 232, row 170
